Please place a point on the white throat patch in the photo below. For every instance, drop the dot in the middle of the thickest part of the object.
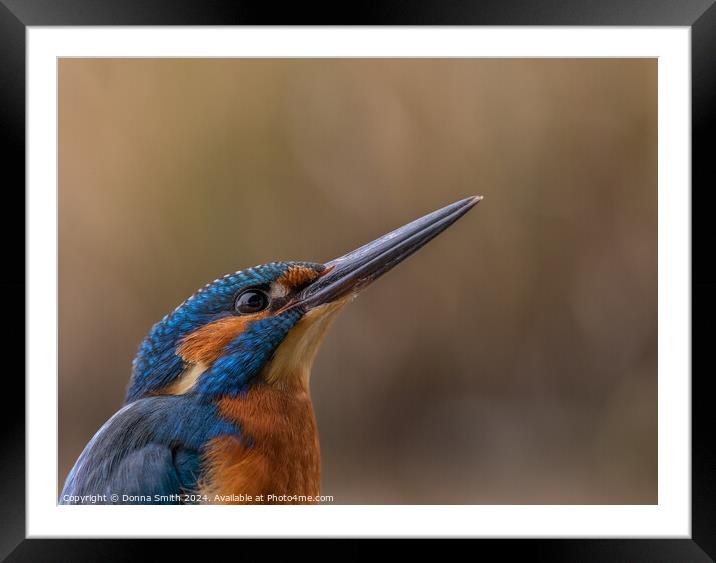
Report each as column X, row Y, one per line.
column 186, row 380
column 294, row 356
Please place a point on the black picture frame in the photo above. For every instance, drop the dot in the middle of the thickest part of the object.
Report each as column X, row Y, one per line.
column 16, row 15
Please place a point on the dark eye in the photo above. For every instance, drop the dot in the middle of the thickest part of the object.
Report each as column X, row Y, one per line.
column 251, row 301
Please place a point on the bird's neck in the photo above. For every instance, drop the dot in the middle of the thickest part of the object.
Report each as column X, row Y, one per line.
column 279, row 451
column 291, row 363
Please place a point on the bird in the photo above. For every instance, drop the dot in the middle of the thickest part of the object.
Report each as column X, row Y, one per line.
column 218, row 407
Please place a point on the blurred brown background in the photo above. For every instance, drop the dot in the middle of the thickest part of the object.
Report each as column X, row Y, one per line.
column 513, row 360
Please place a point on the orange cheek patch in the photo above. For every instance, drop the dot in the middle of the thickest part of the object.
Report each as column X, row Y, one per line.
column 326, row 270
column 297, row 276
column 207, row 343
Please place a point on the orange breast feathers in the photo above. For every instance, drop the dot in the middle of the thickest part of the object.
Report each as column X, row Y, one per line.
column 278, row 455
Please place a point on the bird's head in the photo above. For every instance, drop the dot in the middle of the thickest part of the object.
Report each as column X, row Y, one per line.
column 264, row 324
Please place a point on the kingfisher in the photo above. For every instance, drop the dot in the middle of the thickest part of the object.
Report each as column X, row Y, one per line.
column 218, row 408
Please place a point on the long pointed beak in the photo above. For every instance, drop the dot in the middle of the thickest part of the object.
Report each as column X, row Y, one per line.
column 357, row 269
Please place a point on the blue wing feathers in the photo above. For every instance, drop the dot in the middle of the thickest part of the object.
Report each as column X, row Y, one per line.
column 145, row 476
column 150, row 447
